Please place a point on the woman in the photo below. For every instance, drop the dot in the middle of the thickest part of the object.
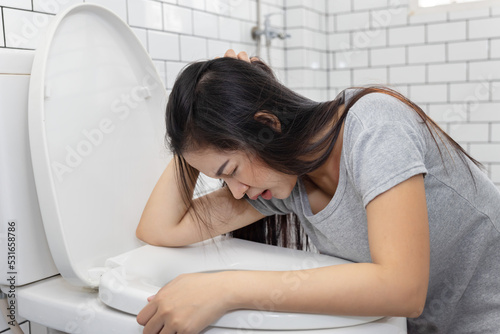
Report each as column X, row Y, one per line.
column 371, row 179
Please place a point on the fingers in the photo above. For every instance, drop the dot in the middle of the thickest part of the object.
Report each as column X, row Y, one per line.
column 242, row 55
column 146, row 314
column 230, row 53
column 157, row 325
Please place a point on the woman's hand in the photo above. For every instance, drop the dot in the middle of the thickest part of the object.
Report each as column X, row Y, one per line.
column 187, row 304
column 242, row 55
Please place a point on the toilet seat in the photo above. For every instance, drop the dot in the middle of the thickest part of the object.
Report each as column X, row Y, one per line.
column 96, row 135
column 130, row 282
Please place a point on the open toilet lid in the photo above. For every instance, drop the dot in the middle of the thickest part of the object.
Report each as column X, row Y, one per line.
column 96, row 130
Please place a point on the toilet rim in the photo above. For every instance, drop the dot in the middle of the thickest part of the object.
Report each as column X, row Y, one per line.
column 129, row 281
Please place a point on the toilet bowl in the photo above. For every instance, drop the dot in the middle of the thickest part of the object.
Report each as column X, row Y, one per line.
column 96, row 133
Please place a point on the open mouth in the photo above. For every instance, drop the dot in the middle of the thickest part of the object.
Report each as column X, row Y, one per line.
column 266, row 194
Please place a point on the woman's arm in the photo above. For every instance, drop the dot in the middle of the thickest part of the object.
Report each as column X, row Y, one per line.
column 166, row 221
column 395, row 284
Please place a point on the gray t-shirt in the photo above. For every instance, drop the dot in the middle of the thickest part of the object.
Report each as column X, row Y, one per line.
column 385, row 143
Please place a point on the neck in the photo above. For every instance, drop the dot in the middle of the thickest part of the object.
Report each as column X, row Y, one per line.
column 326, row 177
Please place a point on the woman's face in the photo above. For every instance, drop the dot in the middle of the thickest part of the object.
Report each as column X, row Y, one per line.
column 244, row 174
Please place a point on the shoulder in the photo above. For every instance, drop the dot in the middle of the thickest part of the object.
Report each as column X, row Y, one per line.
column 379, row 108
column 379, row 112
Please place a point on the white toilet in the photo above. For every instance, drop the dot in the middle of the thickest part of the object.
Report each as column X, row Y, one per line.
column 96, row 133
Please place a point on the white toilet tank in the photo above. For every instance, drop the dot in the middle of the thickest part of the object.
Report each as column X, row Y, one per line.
column 25, row 253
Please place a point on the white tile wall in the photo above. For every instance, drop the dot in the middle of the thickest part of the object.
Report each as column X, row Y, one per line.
column 318, row 6
column 370, row 76
column 470, row 91
column 193, row 48
column 495, row 132
column 197, row 4
column 119, row 7
column 306, row 58
column 432, row 53
column 205, row 24
column 142, row 35
column 351, row 58
column 364, row 4
column 495, row 90
column 339, row 78
column 447, row 72
column 486, row 152
column 444, row 113
column 2, row 42
column 369, row 38
column 469, row 133
column 486, row 112
column 295, row 17
column 330, row 24
column 472, row 50
column 495, row 11
column 495, row 171
column 352, row 21
column 407, row 35
column 161, row 69
column 173, row 68
column 217, row 7
column 341, row 41
column 335, row 6
column 23, row 28
column 163, row 45
column 391, row 16
column 468, row 14
column 145, row 14
column 449, row 31
column 407, row 74
column 53, row 7
column 217, row 48
column 177, row 19
column 21, row 4
column 428, row 93
column 495, row 48
column 229, row 29
column 484, row 70
column 247, row 10
column 484, row 28
column 388, row 56
column 427, row 18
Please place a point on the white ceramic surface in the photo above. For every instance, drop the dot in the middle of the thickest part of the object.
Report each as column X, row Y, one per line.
column 96, row 133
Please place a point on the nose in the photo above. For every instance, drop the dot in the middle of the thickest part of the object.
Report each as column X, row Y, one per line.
column 237, row 188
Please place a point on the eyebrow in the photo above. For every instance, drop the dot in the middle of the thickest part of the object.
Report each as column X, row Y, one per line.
column 221, row 169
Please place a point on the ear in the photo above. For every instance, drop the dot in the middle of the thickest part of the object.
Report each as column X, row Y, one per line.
column 268, row 119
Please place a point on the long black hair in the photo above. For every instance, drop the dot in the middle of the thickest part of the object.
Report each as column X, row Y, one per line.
column 213, row 104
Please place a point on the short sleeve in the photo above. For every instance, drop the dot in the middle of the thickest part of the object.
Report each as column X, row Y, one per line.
column 270, row 207
column 383, row 155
